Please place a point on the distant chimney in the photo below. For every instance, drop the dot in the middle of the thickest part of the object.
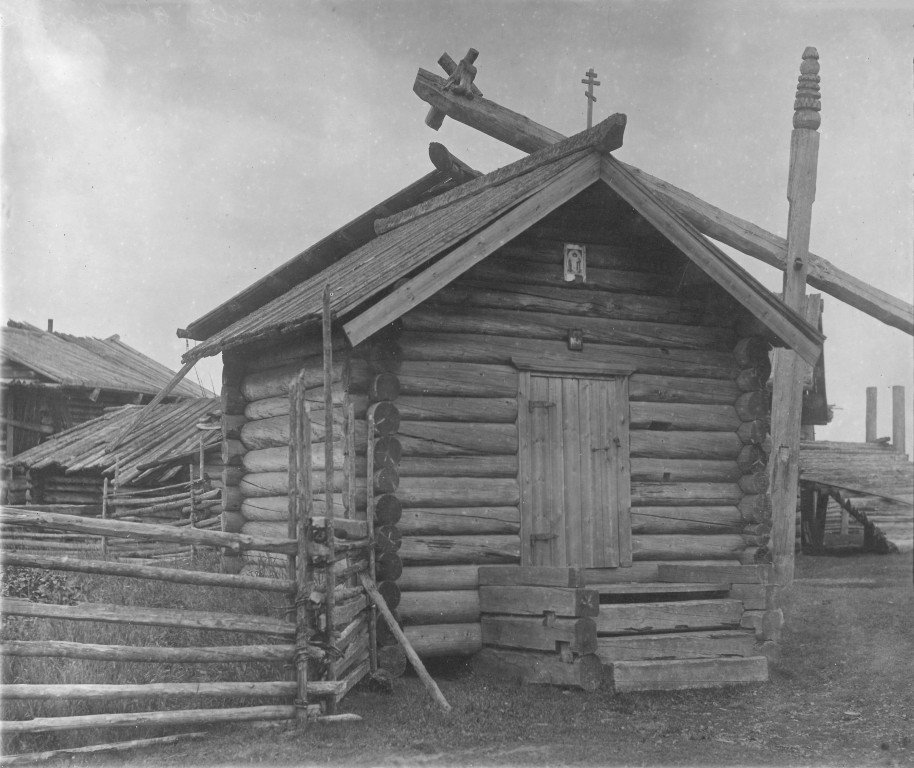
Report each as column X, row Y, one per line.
column 50, row 325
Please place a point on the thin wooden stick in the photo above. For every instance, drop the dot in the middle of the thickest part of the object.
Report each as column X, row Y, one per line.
column 411, row 654
column 328, row 471
column 105, row 516
column 218, row 654
column 373, row 611
column 30, row 758
column 300, row 510
column 154, row 690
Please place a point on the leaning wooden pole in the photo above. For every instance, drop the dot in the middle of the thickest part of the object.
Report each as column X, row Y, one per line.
column 411, row 654
column 788, row 383
column 330, row 599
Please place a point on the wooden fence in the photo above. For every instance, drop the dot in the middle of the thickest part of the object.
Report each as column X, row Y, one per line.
column 324, row 636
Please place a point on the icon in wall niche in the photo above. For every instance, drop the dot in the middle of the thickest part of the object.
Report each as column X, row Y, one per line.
column 575, row 263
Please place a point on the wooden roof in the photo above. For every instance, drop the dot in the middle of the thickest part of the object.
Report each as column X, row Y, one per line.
column 466, row 224
column 170, row 434
column 34, row 356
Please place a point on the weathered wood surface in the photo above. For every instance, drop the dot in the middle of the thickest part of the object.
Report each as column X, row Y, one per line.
column 458, row 491
column 531, row 667
column 644, row 572
column 680, row 645
column 688, row 546
column 92, row 691
column 274, row 431
column 495, row 350
column 533, row 633
column 278, row 381
column 438, row 577
column 451, row 607
column 687, row 519
column 175, row 575
column 431, row 640
column 718, row 446
column 144, row 531
column 33, row 758
column 160, row 617
column 278, row 405
column 491, row 410
column 681, row 674
column 562, row 601
column 433, row 438
column 685, row 470
column 459, row 550
column 622, row 618
column 530, row 576
column 277, row 459
column 735, row 574
column 182, row 717
column 431, row 521
column 699, row 494
column 455, row 466
column 157, row 655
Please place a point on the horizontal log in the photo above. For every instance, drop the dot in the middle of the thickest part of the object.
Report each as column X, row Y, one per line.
column 530, row 576
column 303, row 350
column 181, row 717
column 273, row 508
column 531, row 667
column 385, row 480
column 456, row 550
column 688, row 547
column 751, row 350
column 63, row 649
column 142, row 531
column 576, row 302
column 274, row 431
column 681, row 389
column 433, row 438
column 684, row 416
column 278, row 405
column 755, row 483
column 684, row 470
column 495, row 350
column 387, row 509
column 756, row 508
column 257, row 484
column 33, row 758
column 418, row 578
column 458, row 491
column 389, row 565
column 432, row 640
column 388, row 538
column 578, row 635
column 752, row 458
column 173, row 575
column 647, row 572
column 453, row 466
column 386, row 418
column 543, row 325
column 543, row 250
column 94, row 691
column 491, row 410
column 431, row 521
column 683, row 519
column 755, row 378
column 698, row 494
column 629, row 618
column 687, row 674
column 535, row 601
column 452, row 607
column 278, row 381
column 391, row 592
column 160, row 617
column 456, row 379
column 753, row 432
column 277, row 459
column 650, row 444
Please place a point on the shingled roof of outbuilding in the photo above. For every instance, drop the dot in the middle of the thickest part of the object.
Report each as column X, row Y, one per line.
column 88, row 363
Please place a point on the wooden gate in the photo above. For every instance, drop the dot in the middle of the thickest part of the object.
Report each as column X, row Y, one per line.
column 574, row 470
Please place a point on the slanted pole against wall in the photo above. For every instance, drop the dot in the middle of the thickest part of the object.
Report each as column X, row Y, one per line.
column 788, row 383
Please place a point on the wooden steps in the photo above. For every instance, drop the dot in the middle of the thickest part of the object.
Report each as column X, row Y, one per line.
column 676, row 645
column 676, row 616
column 680, row 674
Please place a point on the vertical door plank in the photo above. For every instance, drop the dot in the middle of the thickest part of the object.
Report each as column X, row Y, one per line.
column 540, row 469
column 612, row 472
column 524, row 470
column 557, row 462
column 624, row 478
column 589, row 460
column 571, row 440
column 602, row 524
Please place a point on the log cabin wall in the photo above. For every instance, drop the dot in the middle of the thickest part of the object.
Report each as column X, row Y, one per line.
column 698, row 409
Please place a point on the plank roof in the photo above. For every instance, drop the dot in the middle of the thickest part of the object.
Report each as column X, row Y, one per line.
column 86, row 362
column 444, row 228
column 171, row 433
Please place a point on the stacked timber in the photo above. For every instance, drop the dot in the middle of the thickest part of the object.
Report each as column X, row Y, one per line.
column 538, row 626
column 50, row 487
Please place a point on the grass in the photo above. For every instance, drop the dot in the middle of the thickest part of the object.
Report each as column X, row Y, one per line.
column 841, row 696
column 69, row 588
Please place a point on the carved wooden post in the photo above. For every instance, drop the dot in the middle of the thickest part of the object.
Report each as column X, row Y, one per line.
column 788, row 394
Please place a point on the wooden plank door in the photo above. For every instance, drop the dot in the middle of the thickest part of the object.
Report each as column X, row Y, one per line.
column 574, row 470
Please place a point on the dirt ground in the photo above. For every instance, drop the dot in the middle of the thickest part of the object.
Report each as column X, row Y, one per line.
column 842, row 695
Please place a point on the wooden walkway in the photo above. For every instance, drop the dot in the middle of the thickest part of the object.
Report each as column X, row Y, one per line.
column 872, row 481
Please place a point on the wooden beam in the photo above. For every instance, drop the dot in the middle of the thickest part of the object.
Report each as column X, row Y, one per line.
column 898, row 418
column 787, row 399
column 872, row 401
column 521, row 132
column 558, row 190
column 795, row 332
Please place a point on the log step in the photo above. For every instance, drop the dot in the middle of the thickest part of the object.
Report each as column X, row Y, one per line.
column 652, row 591
column 676, row 645
column 680, row 616
column 680, row 674
column 734, row 574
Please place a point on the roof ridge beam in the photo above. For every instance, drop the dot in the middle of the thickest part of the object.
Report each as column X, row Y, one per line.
column 605, row 136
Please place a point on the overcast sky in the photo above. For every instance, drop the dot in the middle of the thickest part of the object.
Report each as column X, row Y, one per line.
column 159, row 157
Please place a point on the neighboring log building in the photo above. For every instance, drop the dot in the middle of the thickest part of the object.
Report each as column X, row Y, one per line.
column 564, row 373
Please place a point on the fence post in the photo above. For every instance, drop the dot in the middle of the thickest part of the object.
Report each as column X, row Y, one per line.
column 871, row 394
column 898, row 419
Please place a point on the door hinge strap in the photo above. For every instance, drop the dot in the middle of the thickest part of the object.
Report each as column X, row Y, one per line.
column 539, row 404
column 542, row 536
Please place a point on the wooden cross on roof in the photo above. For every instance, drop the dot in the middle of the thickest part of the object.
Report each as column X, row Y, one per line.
column 590, row 82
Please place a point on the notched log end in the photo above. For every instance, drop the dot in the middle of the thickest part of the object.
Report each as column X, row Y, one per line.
column 608, row 134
